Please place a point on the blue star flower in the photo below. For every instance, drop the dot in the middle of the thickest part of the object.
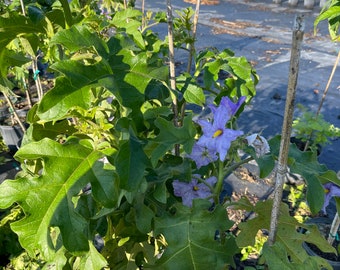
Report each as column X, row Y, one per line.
column 202, row 156
column 193, row 190
column 216, row 137
column 229, row 105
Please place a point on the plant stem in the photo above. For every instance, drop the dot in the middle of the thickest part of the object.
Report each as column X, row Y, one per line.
column 172, row 68
column 23, row 7
column 194, row 31
column 287, row 125
column 37, row 77
column 16, row 117
column 328, row 83
column 219, row 184
column 222, row 174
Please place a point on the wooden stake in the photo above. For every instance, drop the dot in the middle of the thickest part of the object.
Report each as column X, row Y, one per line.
column 172, row 68
column 298, row 32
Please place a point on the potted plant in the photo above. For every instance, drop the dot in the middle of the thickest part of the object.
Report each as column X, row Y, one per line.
column 329, row 228
column 311, row 131
column 22, row 52
column 311, row 128
column 320, row 131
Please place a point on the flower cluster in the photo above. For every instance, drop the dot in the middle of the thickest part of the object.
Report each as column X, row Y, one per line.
column 216, row 139
column 214, row 145
column 211, row 146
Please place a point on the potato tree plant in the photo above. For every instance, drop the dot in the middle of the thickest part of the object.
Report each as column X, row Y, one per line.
column 101, row 185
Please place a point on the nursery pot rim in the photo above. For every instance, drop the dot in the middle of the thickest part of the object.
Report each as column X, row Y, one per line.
column 319, row 220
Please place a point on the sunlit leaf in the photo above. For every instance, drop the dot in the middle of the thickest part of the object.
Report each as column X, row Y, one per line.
column 47, row 199
column 190, row 234
column 290, row 232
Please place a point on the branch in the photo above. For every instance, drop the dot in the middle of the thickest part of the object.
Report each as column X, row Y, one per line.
column 172, row 68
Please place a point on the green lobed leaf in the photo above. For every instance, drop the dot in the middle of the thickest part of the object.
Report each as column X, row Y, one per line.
column 17, row 25
column 51, row 130
column 306, row 165
column 266, row 165
column 67, row 12
column 329, row 176
column 170, row 135
column 133, row 73
column 247, row 77
column 190, row 234
column 133, row 25
column 57, row 102
column 278, row 259
column 130, row 163
column 56, row 17
column 332, row 15
column 35, row 14
column 47, row 199
column 144, row 215
column 126, row 74
column 93, row 260
column 80, row 37
column 9, row 58
column 192, row 93
column 105, row 186
column 211, row 71
column 289, row 234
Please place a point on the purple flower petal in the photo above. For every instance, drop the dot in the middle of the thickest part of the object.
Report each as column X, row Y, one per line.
column 202, row 156
column 332, row 190
column 216, row 137
column 193, row 190
column 232, row 107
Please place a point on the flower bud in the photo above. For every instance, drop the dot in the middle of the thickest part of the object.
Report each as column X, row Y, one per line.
column 259, row 143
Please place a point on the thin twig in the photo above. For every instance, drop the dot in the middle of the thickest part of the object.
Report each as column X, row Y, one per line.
column 16, row 117
column 287, row 126
column 328, row 83
column 323, row 98
column 172, row 68
column 143, row 14
column 194, row 32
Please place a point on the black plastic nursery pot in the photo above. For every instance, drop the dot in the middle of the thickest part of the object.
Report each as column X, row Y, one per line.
column 312, row 250
column 12, row 136
column 301, row 145
column 3, row 113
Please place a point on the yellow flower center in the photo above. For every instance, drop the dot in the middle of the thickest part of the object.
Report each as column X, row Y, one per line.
column 195, row 188
column 327, row 190
column 218, row 133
